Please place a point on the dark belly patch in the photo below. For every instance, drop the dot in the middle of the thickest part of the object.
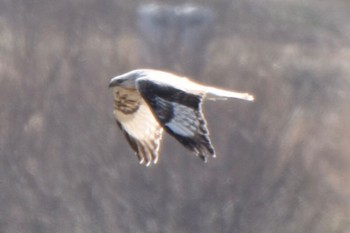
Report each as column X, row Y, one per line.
column 125, row 103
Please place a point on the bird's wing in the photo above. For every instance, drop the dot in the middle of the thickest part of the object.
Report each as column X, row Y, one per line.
column 180, row 114
column 141, row 129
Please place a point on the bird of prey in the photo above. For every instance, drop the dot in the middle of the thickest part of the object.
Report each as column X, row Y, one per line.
column 146, row 102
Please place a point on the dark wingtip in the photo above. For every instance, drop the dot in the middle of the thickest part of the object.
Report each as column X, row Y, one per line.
column 203, row 158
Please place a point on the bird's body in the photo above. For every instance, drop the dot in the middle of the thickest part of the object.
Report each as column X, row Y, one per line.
column 148, row 101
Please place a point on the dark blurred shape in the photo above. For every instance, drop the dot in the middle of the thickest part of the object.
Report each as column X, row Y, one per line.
column 175, row 37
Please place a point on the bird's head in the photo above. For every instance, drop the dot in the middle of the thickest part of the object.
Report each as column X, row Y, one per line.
column 127, row 80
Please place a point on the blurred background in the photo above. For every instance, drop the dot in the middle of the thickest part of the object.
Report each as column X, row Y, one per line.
column 283, row 162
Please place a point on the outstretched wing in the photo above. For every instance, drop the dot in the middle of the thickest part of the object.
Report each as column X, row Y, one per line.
column 180, row 114
column 141, row 129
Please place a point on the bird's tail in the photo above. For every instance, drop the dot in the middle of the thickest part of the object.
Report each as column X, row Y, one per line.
column 213, row 93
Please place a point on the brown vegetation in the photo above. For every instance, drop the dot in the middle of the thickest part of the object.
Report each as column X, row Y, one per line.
column 283, row 162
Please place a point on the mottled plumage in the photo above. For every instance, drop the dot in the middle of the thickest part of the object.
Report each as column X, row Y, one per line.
column 148, row 101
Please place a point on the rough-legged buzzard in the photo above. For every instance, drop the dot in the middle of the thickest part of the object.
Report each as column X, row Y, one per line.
column 146, row 102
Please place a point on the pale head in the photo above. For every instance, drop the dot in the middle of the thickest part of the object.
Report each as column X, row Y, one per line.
column 128, row 80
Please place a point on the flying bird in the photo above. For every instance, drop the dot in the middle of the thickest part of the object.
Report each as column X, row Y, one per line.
column 147, row 102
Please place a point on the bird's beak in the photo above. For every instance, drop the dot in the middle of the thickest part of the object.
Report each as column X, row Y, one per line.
column 114, row 82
